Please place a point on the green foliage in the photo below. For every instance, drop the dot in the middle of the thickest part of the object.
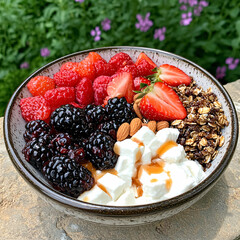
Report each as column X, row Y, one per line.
column 63, row 26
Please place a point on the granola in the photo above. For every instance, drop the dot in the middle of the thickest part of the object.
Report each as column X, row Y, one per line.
column 200, row 131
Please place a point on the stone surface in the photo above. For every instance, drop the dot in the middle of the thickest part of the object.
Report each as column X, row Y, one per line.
column 23, row 215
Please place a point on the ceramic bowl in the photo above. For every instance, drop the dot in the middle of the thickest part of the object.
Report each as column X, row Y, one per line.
column 14, row 129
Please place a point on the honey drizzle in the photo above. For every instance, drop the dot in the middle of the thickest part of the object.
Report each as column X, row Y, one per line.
column 140, row 143
column 96, row 175
column 155, row 167
column 165, row 147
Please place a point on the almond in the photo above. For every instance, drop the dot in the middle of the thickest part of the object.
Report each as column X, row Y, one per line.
column 135, row 125
column 162, row 124
column 152, row 125
column 123, row 131
column 135, row 97
column 138, row 101
column 137, row 110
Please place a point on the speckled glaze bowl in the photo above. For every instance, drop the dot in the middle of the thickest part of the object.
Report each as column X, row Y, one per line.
column 14, row 128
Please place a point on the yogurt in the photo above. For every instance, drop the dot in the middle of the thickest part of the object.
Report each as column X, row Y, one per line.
column 150, row 168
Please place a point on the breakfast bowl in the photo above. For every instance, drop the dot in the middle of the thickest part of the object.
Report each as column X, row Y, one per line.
column 14, row 128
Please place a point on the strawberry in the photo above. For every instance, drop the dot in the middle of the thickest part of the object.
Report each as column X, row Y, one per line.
column 172, row 75
column 94, row 57
column 145, row 68
column 162, row 103
column 84, row 92
column 120, row 60
column 145, row 57
column 138, row 80
column 35, row 108
column 40, row 84
column 100, row 85
column 121, row 86
column 131, row 69
column 86, row 69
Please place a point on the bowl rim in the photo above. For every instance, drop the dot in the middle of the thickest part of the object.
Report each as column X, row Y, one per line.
column 120, row 211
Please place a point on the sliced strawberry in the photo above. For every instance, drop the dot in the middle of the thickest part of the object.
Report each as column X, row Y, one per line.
column 162, row 103
column 144, row 56
column 121, row 86
column 172, row 75
column 138, row 80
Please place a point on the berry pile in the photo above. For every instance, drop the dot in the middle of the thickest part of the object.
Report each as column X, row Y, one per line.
column 73, row 118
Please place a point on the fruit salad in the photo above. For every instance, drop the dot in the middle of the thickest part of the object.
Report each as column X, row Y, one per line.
column 121, row 132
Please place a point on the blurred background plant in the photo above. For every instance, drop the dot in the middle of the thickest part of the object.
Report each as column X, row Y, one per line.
column 33, row 33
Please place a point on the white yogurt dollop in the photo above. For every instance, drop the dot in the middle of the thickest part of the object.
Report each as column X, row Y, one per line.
column 150, row 168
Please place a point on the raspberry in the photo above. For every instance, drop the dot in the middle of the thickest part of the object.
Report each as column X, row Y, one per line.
column 139, row 80
column 102, row 68
column 120, row 60
column 40, row 84
column 75, row 105
column 34, row 108
column 84, row 92
column 131, row 69
column 100, row 88
column 66, row 78
column 69, row 66
column 86, row 69
column 145, row 68
column 60, row 96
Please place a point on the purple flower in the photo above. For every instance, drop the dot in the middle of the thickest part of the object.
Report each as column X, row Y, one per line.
column 221, row 72
column 186, row 18
column 143, row 23
column 81, row 1
column 183, row 8
column 24, row 65
column 96, row 33
column 45, row 52
column 203, row 3
column 192, row 2
column 106, row 24
column 232, row 63
column 197, row 10
column 160, row 33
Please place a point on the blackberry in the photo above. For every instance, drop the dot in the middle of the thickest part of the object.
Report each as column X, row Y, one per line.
column 61, row 143
column 67, row 176
column 35, row 128
column 69, row 119
column 95, row 113
column 109, row 128
column 36, row 151
column 64, row 144
column 94, row 116
column 100, row 151
column 119, row 110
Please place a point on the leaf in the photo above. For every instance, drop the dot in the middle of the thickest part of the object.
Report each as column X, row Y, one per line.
column 238, row 27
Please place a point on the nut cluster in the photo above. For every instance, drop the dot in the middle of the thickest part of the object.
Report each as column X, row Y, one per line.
column 127, row 129
column 200, row 131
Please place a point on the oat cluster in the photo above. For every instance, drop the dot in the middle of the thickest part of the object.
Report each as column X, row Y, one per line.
column 200, row 131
